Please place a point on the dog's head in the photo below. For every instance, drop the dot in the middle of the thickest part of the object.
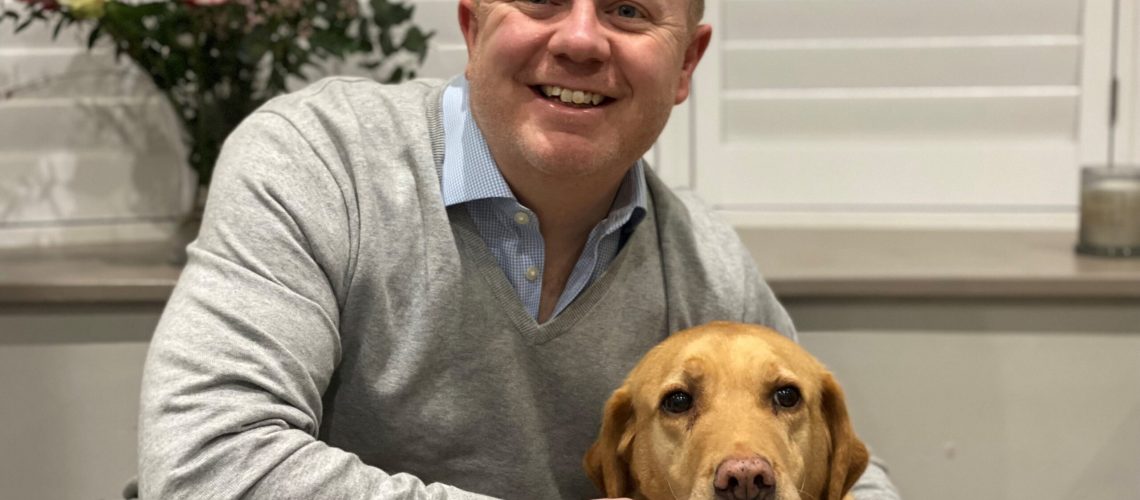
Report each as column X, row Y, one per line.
column 727, row 410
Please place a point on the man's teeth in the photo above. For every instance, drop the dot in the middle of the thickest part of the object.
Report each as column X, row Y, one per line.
column 574, row 96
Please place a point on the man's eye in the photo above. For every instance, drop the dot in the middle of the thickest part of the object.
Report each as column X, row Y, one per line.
column 538, row 2
column 627, row 10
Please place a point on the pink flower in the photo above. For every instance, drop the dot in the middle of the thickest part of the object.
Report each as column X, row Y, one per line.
column 46, row 4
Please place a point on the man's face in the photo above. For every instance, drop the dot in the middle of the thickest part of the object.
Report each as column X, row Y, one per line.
column 630, row 61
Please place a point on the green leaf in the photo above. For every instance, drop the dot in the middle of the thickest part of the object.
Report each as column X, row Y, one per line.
column 396, row 76
column 58, row 27
column 365, row 36
column 416, row 42
column 399, row 14
column 380, row 14
column 333, row 43
column 93, row 38
column 387, row 47
column 24, row 25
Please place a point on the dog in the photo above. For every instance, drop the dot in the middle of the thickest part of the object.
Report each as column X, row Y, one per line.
column 727, row 411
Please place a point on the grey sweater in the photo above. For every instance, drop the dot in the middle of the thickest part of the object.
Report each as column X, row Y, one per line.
column 338, row 333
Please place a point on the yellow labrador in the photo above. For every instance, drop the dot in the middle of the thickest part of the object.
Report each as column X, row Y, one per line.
column 727, row 411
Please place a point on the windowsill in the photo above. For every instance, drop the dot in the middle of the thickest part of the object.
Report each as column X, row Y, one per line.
column 800, row 264
column 936, row 264
column 139, row 273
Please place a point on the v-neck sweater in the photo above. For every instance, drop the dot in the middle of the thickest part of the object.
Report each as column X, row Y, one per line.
column 339, row 333
column 511, row 230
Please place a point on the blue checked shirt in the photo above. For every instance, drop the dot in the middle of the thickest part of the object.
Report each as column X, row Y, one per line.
column 509, row 229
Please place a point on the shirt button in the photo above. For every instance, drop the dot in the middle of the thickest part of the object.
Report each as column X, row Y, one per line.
column 521, row 218
column 531, row 273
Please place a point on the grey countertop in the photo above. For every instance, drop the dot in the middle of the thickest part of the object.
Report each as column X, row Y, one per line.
column 911, row 263
column 798, row 263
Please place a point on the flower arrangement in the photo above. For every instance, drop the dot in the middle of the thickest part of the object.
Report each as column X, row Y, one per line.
column 218, row 60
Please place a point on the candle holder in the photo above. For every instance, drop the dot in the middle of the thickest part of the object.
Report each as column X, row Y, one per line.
column 1110, row 212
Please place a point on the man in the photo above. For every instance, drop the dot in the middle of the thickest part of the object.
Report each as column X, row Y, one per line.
column 429, row 290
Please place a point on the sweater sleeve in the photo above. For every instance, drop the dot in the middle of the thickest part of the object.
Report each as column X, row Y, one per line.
column 232, row 392
column 874, row 484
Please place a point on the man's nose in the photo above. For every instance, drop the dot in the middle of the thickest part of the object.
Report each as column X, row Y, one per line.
column 580, row 36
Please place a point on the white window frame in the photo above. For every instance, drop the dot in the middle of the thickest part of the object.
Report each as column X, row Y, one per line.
column 703, row 127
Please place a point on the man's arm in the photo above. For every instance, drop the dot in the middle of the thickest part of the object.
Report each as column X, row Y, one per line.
column 236, row 372
column 874, row 484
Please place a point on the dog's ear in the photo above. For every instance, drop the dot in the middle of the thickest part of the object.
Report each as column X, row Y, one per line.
column 849, row 456
column 607, row 461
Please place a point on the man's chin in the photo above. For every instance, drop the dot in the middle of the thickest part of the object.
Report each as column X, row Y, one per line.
column 577, row 164
column 577, row 156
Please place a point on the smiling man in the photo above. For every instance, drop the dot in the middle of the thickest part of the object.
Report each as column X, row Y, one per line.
column 429, row 290
column 569, row 94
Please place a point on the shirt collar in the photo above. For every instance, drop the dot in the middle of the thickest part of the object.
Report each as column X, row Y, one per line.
column 469, row 172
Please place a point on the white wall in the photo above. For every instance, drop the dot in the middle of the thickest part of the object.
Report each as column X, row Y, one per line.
column 69, row 381
column 990, row 399
column 996, row 415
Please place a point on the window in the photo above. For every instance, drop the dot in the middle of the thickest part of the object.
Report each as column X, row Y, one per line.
column 885, row 111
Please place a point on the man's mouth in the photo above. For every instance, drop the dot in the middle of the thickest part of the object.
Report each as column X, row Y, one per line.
column 578, row 98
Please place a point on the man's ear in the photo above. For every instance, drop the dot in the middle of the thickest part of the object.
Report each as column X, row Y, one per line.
column 849, row 456
column 699, row 42
column 468, row 23
column 607, row 461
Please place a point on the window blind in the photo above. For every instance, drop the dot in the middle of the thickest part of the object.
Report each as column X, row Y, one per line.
column 893, row 107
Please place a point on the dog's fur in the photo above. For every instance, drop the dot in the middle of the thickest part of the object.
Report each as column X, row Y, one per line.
column 732, row 372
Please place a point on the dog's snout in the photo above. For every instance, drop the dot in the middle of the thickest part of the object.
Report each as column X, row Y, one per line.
column 750, row 478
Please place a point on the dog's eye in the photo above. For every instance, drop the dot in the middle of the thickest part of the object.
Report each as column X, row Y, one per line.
column 787, row 396
column 677, row 402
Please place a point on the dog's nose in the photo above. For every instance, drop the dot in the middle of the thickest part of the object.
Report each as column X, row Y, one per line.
column 749, row 478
